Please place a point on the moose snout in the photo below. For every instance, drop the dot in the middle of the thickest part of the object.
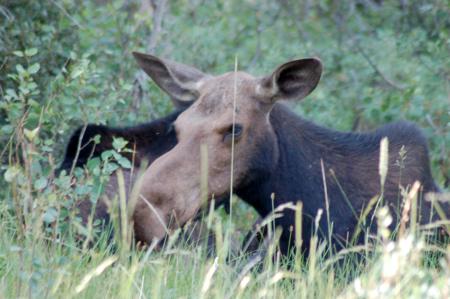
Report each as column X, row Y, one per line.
column 153, row 208
column 168, row 196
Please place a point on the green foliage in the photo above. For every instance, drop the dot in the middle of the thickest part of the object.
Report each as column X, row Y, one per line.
column 68, row 63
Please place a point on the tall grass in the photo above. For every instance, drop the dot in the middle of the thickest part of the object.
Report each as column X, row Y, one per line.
column 43, row 252
column 68, row 72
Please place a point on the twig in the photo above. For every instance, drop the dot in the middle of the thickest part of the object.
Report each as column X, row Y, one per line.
column 443, row 150
column 296, row 18
column 376, row 69
column 259, row 29
column 8, row 15
column 79, row 145
column 159, row 9
column 327, row 201
column 67, row 14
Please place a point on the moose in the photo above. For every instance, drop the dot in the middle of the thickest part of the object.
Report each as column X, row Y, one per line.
column 277, row 156
column 148, row 141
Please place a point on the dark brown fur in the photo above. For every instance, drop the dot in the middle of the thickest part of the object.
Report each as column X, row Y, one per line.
column 147, row 142
column 275, row 152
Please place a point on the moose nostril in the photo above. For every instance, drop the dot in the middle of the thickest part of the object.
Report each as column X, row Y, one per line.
column 153, row 198
column 157, row 194
column 149, row 223
column 150, row 215
column 157, row 200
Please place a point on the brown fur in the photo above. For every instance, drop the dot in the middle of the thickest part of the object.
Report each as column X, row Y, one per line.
column 275, row 151
column 172, row 183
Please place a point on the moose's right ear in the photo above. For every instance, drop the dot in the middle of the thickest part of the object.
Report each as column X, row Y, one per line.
column 293, row 80
column 177, row 80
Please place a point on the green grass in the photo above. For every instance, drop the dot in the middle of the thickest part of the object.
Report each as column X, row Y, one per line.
column 44, row 258
column 68, row 63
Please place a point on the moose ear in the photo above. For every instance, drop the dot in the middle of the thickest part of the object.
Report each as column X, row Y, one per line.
column 293, row 80
column 177, row 80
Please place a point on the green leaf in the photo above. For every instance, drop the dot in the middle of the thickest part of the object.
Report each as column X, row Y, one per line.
column 97, row 138
column 50, row 215
column 18, row 53
column 106, row 155
column 31, row 52
column 40, row 183
column 24, row 90
column 93, row 163
column 83, row 189
column 15, row 248
column 110, row 168
column 119, row 143
column 7, row 129
column 31, row 134
column 124, row 162
column 63, row 181
column 33, row 69
column 11, row 173
column 12, row 93
column 76, row 72
column 116, row 155
column 20, row 69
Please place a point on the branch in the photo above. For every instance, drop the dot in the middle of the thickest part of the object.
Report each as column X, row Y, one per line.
column 259, row 29
column 376, row 69
column 159, row 9
column 139, row 94
column 75, row 22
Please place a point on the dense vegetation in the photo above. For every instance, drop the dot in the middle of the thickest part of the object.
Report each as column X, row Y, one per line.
column 66, row 63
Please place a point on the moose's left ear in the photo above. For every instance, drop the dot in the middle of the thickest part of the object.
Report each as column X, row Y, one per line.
column 177, row 80
column 293, row 80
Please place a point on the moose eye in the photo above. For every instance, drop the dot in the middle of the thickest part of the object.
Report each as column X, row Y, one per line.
column 228, row 136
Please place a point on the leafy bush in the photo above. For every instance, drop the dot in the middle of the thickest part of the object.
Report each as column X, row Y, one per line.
column 66, row 63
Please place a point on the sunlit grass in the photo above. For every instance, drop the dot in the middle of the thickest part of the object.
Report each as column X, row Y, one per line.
column 37, row 263
column 45, row 251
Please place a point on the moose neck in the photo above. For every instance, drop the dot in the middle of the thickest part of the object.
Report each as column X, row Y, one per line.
column 349, row 173
column 296, row 174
